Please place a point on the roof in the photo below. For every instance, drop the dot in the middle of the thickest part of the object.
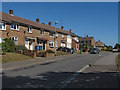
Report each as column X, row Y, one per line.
column 85, row 38
column 12, row 18
column 99, row 42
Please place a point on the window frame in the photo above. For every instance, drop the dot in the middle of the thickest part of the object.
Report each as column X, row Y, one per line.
column 51, row 42
column 2, row 26
column 14, row 39
column 51, row 33
column 28, row 30
column 42, row 32
column 15, row 25
column 62, row 35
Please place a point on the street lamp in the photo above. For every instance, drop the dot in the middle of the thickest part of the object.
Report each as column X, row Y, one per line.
column 55, row 37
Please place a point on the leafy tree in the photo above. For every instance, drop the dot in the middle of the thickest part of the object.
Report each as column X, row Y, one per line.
column 8, row 45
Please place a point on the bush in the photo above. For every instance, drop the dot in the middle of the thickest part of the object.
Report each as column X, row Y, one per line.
column 8, row 45
column 49, row 51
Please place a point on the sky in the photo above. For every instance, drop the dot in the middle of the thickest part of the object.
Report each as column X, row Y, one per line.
column 97, row 19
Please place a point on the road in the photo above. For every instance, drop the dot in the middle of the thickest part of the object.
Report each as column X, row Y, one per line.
column 48, row 75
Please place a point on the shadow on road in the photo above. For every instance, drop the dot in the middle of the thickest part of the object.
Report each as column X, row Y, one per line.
column 55, row 79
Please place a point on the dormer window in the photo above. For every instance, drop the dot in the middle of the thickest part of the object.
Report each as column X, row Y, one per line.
column 2, row 26
column 56, row 34
column 15, row 26
column 29, row 30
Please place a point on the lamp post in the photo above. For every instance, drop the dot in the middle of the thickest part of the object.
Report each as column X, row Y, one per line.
column 55, row 37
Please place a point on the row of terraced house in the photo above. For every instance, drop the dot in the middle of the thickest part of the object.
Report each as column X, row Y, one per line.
column 30, row 34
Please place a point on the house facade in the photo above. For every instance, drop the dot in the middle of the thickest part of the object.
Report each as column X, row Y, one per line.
column 89, row 41
column 33, row 34
column 100, row 45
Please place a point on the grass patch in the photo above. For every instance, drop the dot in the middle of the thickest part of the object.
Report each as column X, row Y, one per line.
column 60, row 53
column 12, row 57
column 118, row 61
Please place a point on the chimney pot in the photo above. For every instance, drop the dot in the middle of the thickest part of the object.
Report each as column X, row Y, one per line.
column 37, row 20
column 11, row 12
column 87, row 35
column 70, row 30
column 62, row 27
column 50, row 23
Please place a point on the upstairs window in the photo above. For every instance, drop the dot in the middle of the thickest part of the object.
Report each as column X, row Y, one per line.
column 14, row 26
column 56, row 34
column 2, row 26
column 29, row 30
column 42, row 32
column 51, row 34
column 62, row 35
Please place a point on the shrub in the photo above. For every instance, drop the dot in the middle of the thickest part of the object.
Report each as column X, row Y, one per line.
column 8, row 45
column 20, row 48
column 49, row 51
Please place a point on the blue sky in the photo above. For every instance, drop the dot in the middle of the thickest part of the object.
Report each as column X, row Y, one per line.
column 98, row 19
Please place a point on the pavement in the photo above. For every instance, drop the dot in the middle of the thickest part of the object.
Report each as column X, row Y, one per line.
column 100, row 74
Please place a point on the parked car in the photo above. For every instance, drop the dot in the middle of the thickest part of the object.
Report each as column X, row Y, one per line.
column 60, row 49
column 94, row 51
column 65, row 49
column 115, row 50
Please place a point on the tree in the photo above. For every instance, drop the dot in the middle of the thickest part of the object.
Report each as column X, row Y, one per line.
column 8, row 45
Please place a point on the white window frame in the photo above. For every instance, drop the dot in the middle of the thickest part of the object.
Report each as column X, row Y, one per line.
column 50, row 34
column 15, row 25
column 62, row 35
column 56, row 34
column 42, row 32
column 14, row 39
column 29, row 30
column 1, row 40
column 3, row 26
column 52, row 42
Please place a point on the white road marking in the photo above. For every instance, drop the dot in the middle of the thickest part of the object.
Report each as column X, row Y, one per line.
column 69, row 79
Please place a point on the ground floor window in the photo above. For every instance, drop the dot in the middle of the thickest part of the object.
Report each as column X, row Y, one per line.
column 1, row 40
column 51, row 44
column 15, row 39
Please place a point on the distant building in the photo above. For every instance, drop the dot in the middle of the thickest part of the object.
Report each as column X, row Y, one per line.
column 100, row 45
column 90, row 41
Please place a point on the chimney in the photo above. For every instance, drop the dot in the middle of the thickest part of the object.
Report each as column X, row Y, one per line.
column 38, row 20
column 87, row 35
column 70, row 30
column 50, row 23
column 11, row 12
column 62, row 27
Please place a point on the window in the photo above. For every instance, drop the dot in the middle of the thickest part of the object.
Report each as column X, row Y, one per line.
column 1, row 40
column 2, row 26
column 56, row 34
column 29, row 30
column 62, row 35
column 51, row 34
column 42, row 32
column 51, row 44
column 14, row 26
column 15, row 39
column 68, row 36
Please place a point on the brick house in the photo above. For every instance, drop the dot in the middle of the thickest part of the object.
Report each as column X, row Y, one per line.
column 30, row 34
column 100, row 45
column 90, row 41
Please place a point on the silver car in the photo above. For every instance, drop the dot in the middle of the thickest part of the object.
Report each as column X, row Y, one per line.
column 94, row 51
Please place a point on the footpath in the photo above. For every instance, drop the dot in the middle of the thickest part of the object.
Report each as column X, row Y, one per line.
column 101, row 74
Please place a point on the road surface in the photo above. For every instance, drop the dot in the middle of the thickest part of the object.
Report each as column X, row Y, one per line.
column 48, row 75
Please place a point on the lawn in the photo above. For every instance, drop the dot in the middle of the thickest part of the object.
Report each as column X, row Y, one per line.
column 11, row 57
column 118, row 61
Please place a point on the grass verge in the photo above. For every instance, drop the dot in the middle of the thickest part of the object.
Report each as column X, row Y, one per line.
column 60, row 53
column 12, row 57
column 118, row 61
